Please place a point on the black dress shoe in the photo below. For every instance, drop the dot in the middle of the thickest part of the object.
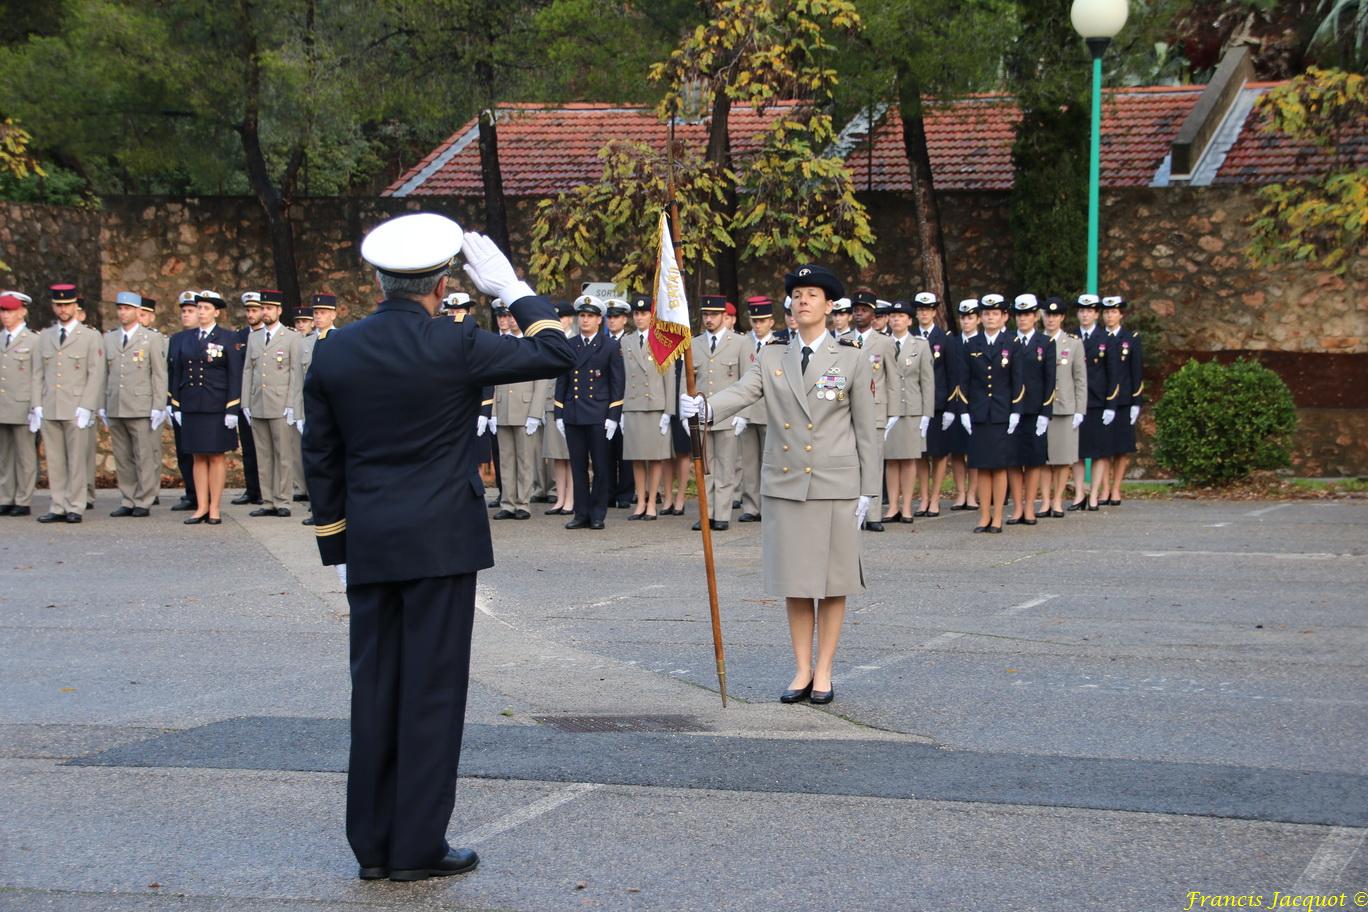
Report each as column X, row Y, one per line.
column 698, row 526
column 873, row 527
column 930, row 515
column 122, row 511
column 822, row 697
column 183, row 505
column 736, row 504
column 955, row 508
column 301, row 498
column 1076, row 506
column 52, row 517
column 156, row 501
column 139, row 512
column 720, row 525
column 896, row 517
column 1015, row 522
column 543, row 498
column 796, row 696
column 503, row 514
column 577, row 523
column 73, row 518
column 635, row 516
column 21, row 511
column 211, row 521
column 1028, row 522
column 282, row 511
column 596, row 525
column 493, row 504
column 195, row 520
column 1113, row 503
column 919, row 513
column 1092, row 508
column 521, row 514
column 748, row 517
column 309, row 522
column 457, row 861
column 265, row 511
column 647, row 517
column 373, row 872
column 90, row 504
column 6, row 509
column 980, row 528
column 996, row 530
column 241, row 499
column 554, row 511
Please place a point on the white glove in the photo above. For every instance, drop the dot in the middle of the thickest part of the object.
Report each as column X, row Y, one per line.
column 481, row 425
column 888, row 428
column 490, row 271
column 35, row 418
column 493, row 425
column 1012, row 421
column 299, row 426
column 689, row 405
column 104, row 418
column 925, row 424
column 946, row 420
column 341, row 570
column 176, row 415
column 560, row 426
column 610, row 428
column 289, row 416
column 1042, row 424
column 247, row 413
column 157, row 418
column 1077, row 421
column 230, row 422
column 664, row 424
column 1135, row 413
column 531, row 426
column 83, row 418
column 968, row 425
column 739, row 424
column 1108, row 416
column 861, row 511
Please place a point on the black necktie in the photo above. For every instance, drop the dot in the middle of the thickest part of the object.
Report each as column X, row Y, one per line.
column 712, row 345
column 8, row 338
column 61, row 337
column 204, row 334
column 758, row 344
column 125, row 345
column 641, row 340
column 897, row 348
column 807, row 353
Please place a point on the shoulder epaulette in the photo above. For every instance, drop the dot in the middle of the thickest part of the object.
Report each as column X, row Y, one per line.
column 852, row 343
column 776, row 342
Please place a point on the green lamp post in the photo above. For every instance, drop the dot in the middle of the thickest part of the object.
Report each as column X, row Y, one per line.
column 1097, row 21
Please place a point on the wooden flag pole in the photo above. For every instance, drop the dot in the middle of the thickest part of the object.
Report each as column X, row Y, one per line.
column 696, row 432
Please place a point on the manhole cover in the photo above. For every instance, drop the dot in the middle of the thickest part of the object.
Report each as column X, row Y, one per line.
column 622, row 723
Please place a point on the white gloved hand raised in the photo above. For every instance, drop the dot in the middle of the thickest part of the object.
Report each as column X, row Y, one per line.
column 490, row 271
column 1042, row 424
column 560, row 426
column 968, row 425
column 1135, row 413
column 157, row 417
column 104, row 418
column 861, row 511
column 664, row 424
column 531, row 426
column 230, row 422
column 1077, row 421
column 35, row 418
column 341, row 570
column 1108, row 416
column 946, row 420
column 610, row 427
column 481, row 425
column 83, row 418
column 739, row 425
column 1012, row 421
column 888, row 428
column 925, row 424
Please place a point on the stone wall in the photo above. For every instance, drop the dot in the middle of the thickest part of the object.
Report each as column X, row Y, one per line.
column 43, row 245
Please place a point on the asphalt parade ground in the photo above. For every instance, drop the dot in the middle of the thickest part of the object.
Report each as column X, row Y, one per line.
column 1113, row 710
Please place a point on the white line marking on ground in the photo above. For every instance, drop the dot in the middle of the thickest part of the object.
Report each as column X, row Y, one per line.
column 524, row 814
column 1218, row 525
column 1336, row 850
column 1280, row 555
column 1262, row 510
column 1025, row 606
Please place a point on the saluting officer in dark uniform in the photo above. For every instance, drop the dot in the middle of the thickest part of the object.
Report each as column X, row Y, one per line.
column 588, row 410
column 392, row 401
column 1094, row 437
column 994, row 390
column 1127, row 397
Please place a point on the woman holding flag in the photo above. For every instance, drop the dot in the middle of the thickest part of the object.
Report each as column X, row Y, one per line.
column 821, row 471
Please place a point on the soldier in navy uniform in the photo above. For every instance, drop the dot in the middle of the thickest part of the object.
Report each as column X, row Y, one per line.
column 1127, row 397
column 966, row 479
column 623, row 494
column 205, row 377
column 185, row 462
column 251, row 492
column 1036, row 354
column 994, row 390
column 588, row 411
column 392, row 401
column 931, row 468
column 1095, row 440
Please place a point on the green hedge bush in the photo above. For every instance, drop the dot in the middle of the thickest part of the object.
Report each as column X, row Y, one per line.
column 1217, row 423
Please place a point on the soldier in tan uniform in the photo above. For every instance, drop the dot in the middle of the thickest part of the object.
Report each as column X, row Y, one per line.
column 719, row 360
column 519, row 412
column 308, row 337
column 911, row 378
column 20, row 395
column 147, row 318
column 752, row 438
column 272, row 377
column 647, row 410
column 821, row 473
column 1066, row 411
column 135, row 390
column 878, row 349
column 92, row 441
column 72, row 370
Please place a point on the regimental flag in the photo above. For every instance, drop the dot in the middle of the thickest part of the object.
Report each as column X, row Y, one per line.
column 670, row 335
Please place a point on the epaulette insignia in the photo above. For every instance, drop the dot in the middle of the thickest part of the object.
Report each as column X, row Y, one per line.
column 777, row 342
column 853, row 343
column 459, row 317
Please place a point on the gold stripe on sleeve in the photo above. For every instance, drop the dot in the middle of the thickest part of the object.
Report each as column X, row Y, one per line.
column 542, row 325
column 330, row 528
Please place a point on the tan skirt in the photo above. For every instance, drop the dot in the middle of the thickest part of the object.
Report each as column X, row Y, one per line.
column 641, row 437
column 1062, row 440
column 811, row 548
column 553, row 441
column 905, row 440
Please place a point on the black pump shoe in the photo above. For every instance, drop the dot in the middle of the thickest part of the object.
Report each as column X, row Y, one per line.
column 822, row 697
column 796, row 696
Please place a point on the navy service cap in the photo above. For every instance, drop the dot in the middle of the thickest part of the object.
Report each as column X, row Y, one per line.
column 840, row 305
column 457, row 300
column 589, row 304
column 1088, row 300
column 641, row 303
column 1054, row 304
column 1025, row 303
column 865, row 299
column 188, row 297
column 210, row 297
column 251, row 299
column 927, row 299
column 992, row 302
column 617, row 307
column 415, row 245
column 900, row 307
column 1114, row 301
column 968, row 306
column 564, row 309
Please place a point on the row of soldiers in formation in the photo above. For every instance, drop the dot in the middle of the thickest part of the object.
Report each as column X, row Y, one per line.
column 999, row 411
column 201, row 381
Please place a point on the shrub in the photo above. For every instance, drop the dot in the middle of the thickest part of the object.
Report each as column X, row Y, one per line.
column 1217, row 423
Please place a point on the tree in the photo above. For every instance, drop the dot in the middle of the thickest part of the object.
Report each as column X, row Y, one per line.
column 15, row 161
column 1320, row 220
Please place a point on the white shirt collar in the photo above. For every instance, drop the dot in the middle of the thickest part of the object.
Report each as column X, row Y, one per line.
column 14, row 333
column 993, row 338
column 904, row 338
column 128, row 333
column 71, row 326
column 717, row 335
column 815, row 344
column 1025, row 337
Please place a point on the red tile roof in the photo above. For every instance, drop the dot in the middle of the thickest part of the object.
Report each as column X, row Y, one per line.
column 1261, row 156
